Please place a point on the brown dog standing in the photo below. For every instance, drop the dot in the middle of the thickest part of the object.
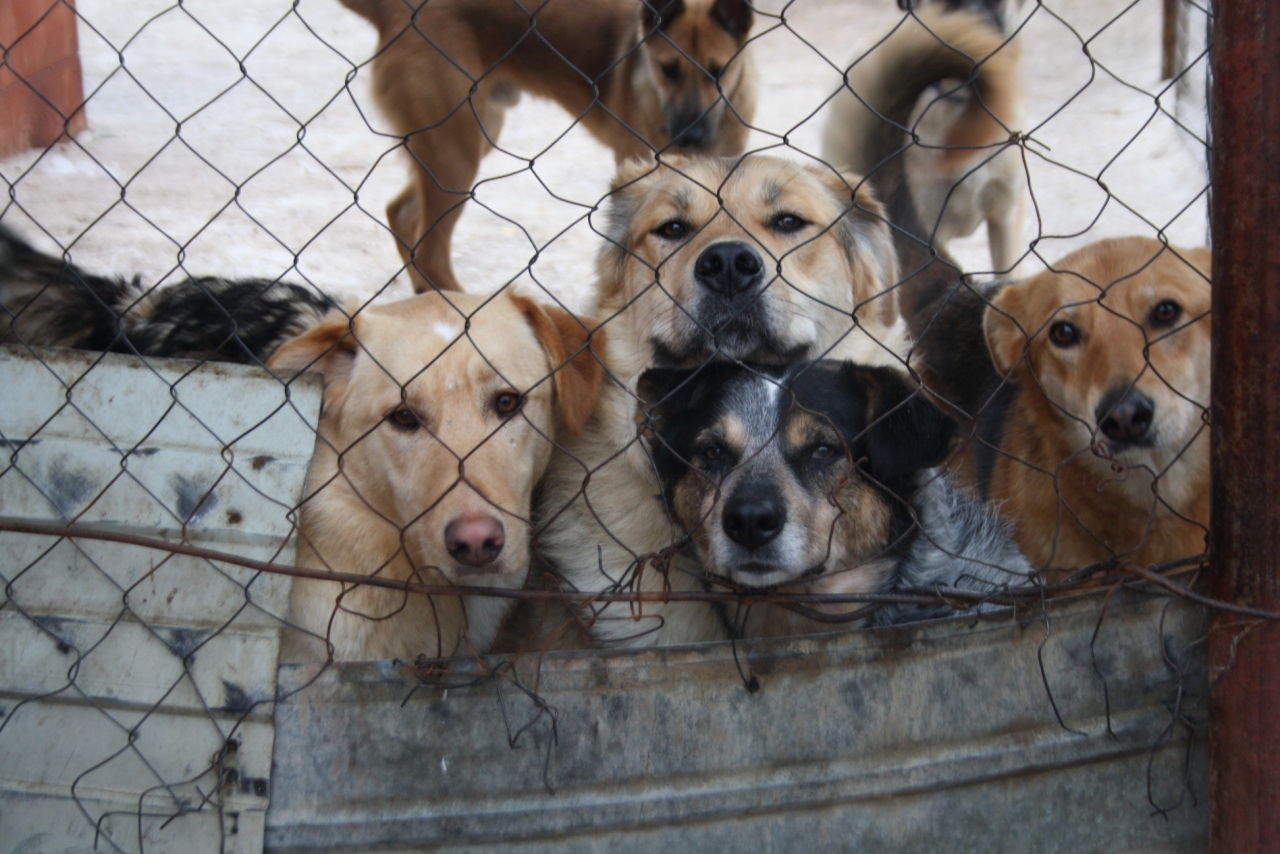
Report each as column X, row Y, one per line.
column 641, row 76
column 1102, row 448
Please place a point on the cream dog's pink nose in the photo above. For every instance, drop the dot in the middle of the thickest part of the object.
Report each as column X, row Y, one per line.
column 474, row 539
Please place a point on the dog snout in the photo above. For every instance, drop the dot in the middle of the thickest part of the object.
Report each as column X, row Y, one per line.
column 1125, row 415
column 752, row 521
column 729, row 268
column 475, row 539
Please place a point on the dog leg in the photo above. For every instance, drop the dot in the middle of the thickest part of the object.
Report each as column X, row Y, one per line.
column 446, row 161
column 1004, row 233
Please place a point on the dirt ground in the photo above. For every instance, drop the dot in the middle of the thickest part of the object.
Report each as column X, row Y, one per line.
column 191, row 166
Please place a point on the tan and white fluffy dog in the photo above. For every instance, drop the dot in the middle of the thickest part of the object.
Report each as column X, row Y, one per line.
column 439, row 419
column 758, row 259
column 922, row 79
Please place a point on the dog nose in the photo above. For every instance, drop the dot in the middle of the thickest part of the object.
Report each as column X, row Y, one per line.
column 1125, row 415
column 693, row 136
column 475, row 539
column 753, row 522
column 728, row 268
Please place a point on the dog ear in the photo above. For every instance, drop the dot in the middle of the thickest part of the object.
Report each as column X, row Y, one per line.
column 906, row 432
column 734, row 16
column 664, row 391
column 329, row 347
column 568, row 342
column 660, row 14
column 1007, row 341
column 864, row 235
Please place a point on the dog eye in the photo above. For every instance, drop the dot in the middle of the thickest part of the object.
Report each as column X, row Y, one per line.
column 787, row 223
column 673, row 230
column 824, row 452
column 671, row 70
column 404, row 418
column 1165, row 313
column 507, row 402
column 1064, row 334
column 715, row 70
column 713, row 453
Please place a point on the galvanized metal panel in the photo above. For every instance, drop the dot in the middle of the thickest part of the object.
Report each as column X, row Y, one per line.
column 124, row 671
column 932, row 737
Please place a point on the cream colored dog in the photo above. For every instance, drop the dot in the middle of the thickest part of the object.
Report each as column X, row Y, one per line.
column 757, row 259
column 439, row 418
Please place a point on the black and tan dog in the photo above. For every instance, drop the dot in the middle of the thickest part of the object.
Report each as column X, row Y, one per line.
column 640, row 75
column 759, row 259
column 818, row 478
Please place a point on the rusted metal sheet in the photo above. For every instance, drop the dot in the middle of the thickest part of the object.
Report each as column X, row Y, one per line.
column 938, row 736
column 1245, row 721
column 125, row 671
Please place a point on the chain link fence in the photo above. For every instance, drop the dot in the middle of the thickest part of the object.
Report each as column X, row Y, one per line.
column 879, row 369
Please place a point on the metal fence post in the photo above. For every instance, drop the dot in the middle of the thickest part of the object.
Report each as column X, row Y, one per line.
column 1245, row 705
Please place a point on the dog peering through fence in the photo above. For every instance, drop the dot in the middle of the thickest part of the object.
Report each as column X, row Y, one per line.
column 787, row 398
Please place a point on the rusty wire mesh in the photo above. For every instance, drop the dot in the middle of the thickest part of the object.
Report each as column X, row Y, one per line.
column 240, row 147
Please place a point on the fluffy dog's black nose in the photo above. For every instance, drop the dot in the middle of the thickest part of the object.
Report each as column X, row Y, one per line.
column 728, row 268
column 753, row 522
column 695, row 135
column 1125, row 415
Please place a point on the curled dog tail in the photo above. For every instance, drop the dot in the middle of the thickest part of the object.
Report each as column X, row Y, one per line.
column 48, row 302
column 865, row 130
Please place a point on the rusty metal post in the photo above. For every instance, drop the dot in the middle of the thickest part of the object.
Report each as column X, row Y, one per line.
column 1245, row 705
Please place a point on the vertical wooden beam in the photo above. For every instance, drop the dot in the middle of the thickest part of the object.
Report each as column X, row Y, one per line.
column 1245, row 533
column 41, row 93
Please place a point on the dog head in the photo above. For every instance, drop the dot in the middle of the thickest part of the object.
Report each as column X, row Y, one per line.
column 782, row 474
column 759, row 259
column 692, row 55
column 1116, row 338
column 439, row 417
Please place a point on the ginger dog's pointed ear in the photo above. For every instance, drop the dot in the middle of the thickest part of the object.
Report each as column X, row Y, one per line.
column 568, row 342
column 329, row 347
column 1007, row 341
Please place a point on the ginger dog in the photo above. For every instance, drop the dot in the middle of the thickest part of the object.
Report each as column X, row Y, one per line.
column 1101, row 447
column 758, row 259
column 641, row 75
column 430, row 443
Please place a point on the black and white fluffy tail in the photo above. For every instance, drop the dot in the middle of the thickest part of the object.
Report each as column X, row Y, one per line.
column 48, row 302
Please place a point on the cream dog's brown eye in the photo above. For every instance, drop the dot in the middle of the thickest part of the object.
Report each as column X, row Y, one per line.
column 1064, row 334
column 1165, row 313
column 404, row 418
column 787, row 223
column 673, row 229
column 671, row 70
column 507, row 402
column 715, row 70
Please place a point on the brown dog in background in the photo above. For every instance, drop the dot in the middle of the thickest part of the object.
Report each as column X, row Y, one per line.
column 1098, row 444
column 641, row 75
column 962, row 169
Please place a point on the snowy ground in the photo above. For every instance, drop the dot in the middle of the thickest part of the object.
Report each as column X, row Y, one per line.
column 190, row 166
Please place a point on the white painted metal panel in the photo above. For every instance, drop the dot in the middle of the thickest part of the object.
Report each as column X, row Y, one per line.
column 135, row 685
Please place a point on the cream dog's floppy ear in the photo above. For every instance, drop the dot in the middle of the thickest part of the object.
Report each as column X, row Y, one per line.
column 864, row 234
column 1007, row 341
column 568, row 342
column 329, row 347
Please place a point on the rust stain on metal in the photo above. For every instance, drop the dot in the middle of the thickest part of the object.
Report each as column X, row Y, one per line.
column 1244, row 726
